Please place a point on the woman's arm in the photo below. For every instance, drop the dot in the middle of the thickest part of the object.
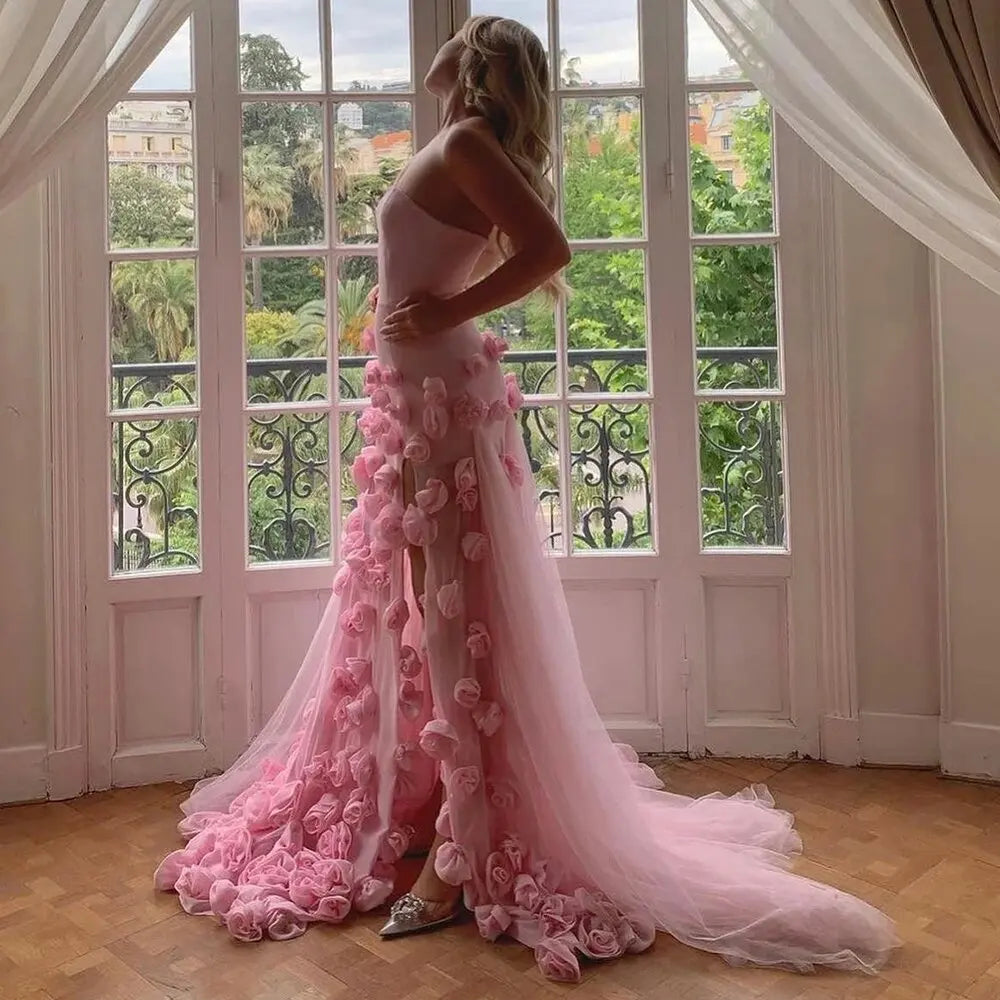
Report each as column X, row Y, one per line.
column 478, row 164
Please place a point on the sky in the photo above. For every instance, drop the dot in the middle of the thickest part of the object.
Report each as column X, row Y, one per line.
column 371, row 39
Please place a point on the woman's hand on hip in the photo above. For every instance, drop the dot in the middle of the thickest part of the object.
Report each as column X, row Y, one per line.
column 418, row 316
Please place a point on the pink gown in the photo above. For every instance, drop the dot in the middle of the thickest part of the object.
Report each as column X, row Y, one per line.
column 559, row 838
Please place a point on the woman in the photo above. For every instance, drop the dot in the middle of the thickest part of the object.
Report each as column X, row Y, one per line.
column 445, row 669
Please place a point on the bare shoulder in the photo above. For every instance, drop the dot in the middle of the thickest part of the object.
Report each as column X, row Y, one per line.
column 471, row 143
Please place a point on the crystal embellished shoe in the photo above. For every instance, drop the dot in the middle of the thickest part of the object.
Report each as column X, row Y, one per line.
column 408, row 915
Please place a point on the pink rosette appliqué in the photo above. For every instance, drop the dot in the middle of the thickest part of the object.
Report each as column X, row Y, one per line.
column 417, row 449
column 499, row 410
column 373, row 425
column 381, row 399
column 464, row 781
column 363, row 708
column 358, row 620
column 451, row 864
column 513, row 469
column 598, row 937
column 373, row 376
column 558, row 915
column 386, row 481
column 419, row 528
column 515, row 398
column 340, row 766
column 392, row 377
column 245, row 921
column 397, row 614
column 502, row 794
column 643, row 933
column 389, row 526
column 283, row 920
column 342, row 579
column 470, row 411
column 494, row 347
column 499, row 877
column 221, row 897
column 323, row 814
column 336, row 842
column 411, row 700
column 410, row 663
column 492, row 921
column 478, row 640
column 392, row 440
column 450, row 600
column 333, row 909
column 435, row 415
column 358, row 809
column 475, row 546
column 194, row 887
column 432, row 497
column 466, row 484
column 439, row 739
column 475, row 365
column 557, row 959
column 527, row 895
column 362, row 764
column 488, row 716
column 394, row 843
column 442, row 825
column 371, row 892
column 361, row 668
column 513, row 847
column 467, row 692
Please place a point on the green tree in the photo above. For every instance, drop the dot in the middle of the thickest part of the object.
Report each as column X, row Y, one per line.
column 159, row 298
column 267, row 203
column 145, row 210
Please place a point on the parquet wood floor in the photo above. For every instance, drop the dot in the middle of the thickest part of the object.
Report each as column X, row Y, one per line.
column 79, row 919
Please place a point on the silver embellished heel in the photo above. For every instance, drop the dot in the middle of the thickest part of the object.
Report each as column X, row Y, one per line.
column 408, row 915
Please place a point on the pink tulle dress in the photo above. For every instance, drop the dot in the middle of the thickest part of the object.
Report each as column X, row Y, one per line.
column 559, row 838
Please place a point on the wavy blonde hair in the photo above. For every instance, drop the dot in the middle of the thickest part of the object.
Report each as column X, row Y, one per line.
column 504, row 75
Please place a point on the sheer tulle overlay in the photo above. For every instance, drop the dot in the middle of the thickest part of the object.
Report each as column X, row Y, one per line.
column 559, row 838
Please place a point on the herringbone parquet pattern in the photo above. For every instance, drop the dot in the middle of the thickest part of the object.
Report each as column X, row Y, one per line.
column 79, row 919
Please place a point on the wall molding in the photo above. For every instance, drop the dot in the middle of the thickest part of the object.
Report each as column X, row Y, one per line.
column 836, row 648
column 22, row 774
column 64, row 610
column 899, row 739
column 970, row 750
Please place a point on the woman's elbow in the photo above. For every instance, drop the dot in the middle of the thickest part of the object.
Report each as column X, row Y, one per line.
column 557, row 254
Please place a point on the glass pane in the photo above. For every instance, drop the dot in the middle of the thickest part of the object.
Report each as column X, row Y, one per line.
column 285, row 326
column 284, row 186
column 279, row 45
column 532, row 14
column 351, row 443
column 153, row 333
column 372, row 142
column 288, row 486
column 171, row 69
column 154, row 495
column 356, row 278
column 150, row 177
column 529, row 328
column 539, row 427
column 599, row 44
column 606, row 321
column 742, row 496
column 736, row 317
column 707, row 58
column 730, row 138
column 371, row 44
column 602, row 168
column 611, row 477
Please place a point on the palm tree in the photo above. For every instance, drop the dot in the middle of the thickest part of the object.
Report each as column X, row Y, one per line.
column 267, row 203
column 308, row 338
column 160, row 296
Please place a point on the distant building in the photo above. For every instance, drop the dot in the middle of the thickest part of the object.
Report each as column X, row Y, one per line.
column 154, row 135
column 350, row 115
column 711, row 118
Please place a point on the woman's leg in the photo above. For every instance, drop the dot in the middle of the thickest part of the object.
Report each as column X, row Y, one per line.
column 439, row 896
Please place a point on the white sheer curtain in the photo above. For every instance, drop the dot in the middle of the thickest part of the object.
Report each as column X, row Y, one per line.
column 63, row 62
column 836, row 72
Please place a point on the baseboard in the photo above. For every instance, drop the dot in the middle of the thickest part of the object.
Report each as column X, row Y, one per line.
column 970, row 750
column 840, row 740
column 22, row 774
column 151, row 763
column 894, row 738
column 642, row 736
column 67, row 770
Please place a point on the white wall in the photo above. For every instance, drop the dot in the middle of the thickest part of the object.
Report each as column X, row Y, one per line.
column 886, row 318
column 23, row 432
column 970, row 408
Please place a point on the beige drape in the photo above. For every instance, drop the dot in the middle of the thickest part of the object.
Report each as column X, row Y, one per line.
column 955, row 46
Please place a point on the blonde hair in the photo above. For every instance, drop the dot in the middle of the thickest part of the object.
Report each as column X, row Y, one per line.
column 504, row 75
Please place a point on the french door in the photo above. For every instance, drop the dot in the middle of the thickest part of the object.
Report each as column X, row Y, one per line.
column 226, row 325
